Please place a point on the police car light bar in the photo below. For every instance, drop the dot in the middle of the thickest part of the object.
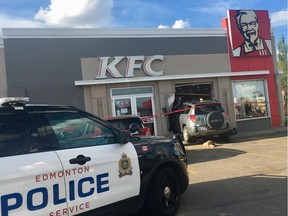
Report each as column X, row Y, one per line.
column 11, row 100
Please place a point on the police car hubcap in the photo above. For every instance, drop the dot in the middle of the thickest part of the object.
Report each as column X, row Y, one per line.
column 167, row 192
column 169, row 197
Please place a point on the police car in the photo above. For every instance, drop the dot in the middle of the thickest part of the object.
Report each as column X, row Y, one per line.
column 62, row 161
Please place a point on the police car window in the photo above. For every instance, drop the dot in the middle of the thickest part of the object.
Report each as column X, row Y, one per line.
column 17, row 135
column 73, row 130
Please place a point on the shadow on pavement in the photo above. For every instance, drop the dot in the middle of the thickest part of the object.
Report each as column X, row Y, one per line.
column 255, row 195
column 205, row 155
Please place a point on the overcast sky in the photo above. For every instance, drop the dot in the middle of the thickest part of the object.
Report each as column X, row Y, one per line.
column 134, row 13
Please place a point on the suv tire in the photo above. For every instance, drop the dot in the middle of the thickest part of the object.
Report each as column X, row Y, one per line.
column 215, row 120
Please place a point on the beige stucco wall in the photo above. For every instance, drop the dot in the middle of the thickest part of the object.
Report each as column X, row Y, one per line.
column 166, row 90
column 95, row 98
column 225, row 96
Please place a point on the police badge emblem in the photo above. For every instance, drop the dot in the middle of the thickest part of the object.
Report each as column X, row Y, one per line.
column 124, row 165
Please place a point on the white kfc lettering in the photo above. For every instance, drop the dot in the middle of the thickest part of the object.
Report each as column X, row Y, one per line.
column 131, row 65
column 111, row 67
column 133, row 62
column 147, row 65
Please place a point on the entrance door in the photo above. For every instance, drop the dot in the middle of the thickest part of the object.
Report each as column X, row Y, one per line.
column 122, row 106
column 145, row 111
column 135, row 101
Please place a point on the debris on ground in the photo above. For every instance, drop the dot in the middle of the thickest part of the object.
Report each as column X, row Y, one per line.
column 209, row 144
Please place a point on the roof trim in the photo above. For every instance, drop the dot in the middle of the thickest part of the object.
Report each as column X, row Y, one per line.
column 170, row 77
column 109, row 33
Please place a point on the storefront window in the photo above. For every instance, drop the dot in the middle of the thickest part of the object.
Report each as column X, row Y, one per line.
column 249, row 99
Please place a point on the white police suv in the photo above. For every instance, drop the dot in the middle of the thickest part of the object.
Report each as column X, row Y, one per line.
column 61, row 161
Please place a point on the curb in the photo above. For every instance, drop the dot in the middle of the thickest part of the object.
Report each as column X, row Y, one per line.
column 261, row 133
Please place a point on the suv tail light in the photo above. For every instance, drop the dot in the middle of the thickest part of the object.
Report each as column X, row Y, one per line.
column 193, row 118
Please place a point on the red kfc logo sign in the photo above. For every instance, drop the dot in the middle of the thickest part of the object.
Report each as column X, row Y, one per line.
column 250, row 33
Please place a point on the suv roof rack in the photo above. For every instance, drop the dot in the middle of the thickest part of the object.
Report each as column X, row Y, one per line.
column 14, row 101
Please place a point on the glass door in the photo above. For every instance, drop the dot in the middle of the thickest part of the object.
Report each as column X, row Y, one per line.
column 122, row 106
column 145, row 111
column 135, row 101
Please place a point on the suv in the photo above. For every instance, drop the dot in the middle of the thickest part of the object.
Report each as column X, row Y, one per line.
column 134, row 124
column 59, row 160
column 201, row 119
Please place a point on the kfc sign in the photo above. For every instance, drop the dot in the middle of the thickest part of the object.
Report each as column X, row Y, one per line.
column 250, row 33
column 109, row 65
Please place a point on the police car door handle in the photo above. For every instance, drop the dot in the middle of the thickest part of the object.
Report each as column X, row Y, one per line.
column 80, row 159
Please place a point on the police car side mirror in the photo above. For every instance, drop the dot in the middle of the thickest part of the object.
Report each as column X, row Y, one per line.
column 125, row 137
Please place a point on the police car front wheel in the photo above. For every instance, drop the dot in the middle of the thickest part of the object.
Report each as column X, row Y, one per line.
column 164, row 193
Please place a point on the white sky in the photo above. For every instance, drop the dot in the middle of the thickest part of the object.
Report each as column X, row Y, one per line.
column 135, row 13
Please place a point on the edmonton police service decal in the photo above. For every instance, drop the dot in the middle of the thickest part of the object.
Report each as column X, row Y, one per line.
column 124, row 165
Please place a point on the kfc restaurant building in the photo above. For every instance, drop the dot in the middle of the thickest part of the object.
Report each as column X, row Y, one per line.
column 112, row 72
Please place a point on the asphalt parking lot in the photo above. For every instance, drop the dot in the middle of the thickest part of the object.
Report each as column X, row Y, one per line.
column 245, row 177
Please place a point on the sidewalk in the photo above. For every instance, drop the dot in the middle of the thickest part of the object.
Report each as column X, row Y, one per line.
column 260, row 133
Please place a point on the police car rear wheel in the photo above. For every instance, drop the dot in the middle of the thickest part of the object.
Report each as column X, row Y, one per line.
column 164, row 197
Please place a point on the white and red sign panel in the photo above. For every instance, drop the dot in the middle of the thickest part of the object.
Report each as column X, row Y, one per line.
column 249, row 33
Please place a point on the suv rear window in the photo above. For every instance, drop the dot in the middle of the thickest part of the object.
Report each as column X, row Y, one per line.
column 205, row 109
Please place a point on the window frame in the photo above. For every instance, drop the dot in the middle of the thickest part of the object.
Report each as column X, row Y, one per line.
column 255, row 109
